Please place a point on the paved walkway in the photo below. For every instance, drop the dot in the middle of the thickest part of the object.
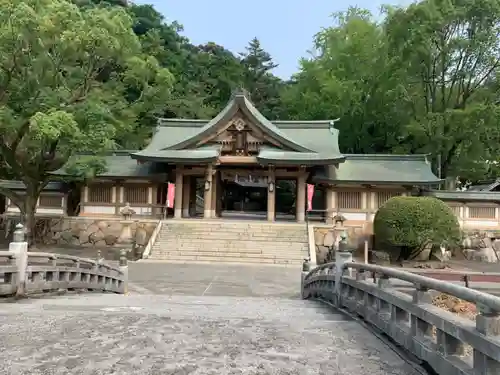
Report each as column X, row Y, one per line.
column 214, row 280
column 196, row 319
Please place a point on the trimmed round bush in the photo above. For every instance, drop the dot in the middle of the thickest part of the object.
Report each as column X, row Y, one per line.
column 406, row 226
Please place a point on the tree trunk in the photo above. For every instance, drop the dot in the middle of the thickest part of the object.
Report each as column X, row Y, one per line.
column 29, row 219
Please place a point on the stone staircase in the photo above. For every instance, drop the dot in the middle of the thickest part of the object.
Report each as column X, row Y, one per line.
column 231, row 241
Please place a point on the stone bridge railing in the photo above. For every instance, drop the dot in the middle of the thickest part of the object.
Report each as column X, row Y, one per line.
column 25, row 273
column 437, row 337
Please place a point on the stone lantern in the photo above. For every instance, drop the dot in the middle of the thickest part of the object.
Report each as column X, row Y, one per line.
column 127, row 212
column 126, row 234
column 339, row 220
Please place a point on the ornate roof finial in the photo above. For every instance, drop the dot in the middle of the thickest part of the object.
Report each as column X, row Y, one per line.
column 240, row 91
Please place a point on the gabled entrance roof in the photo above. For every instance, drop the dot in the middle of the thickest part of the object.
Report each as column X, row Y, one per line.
column 283, row 142
column 239, row 102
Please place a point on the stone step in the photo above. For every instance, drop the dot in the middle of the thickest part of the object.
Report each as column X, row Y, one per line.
column 233, row 234
column 291, row 252
column 264, row 228
column 223, row 259
column 231, row 224
column 223, row 238
column 229, row 243
column 296, row 253
column 230, row 254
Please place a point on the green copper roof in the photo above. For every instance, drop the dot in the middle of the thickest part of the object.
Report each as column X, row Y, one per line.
column 202, row 154
column 120, row 164
column 469, row 196
column 308, row 137
column 273, row 156
column 239, row 102
column 390, row 169
column 19, row 185
column 485, row 186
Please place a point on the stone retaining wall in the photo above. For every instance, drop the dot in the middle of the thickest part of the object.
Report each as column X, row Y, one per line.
column 89, row 232
column 478, row 245
column 326, row 237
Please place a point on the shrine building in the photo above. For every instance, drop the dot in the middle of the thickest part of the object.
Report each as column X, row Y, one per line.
column 240, row 163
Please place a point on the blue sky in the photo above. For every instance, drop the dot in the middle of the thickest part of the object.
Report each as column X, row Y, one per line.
column 284, row 27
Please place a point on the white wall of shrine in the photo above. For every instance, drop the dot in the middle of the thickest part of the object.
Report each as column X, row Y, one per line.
column 105, row 197
column 53, row 203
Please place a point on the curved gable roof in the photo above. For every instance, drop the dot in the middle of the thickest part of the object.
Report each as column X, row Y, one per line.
column 240, row 102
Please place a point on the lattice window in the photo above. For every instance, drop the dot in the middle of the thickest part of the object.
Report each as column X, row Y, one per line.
column 482, row 212
column 50, row 201
column 351, row 200
column 136, row 194
column 100, row 194
column 384, row 196
column 455, row 208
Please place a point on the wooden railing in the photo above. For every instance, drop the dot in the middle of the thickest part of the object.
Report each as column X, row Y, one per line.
column 435, row 336
column 25, row 273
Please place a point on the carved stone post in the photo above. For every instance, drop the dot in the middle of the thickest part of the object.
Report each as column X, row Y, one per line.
column 124, row 268
column 19, row 247
column 488, row 323
column 342, row 256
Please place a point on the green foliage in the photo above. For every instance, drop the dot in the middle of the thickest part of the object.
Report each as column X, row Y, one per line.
column 410, row 224
column 72, row 79
column 425, row 80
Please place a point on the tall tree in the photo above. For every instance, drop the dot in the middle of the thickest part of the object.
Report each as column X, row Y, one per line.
column 71, row 79
column 263, row 86
column 349, row 76
column 451, row 50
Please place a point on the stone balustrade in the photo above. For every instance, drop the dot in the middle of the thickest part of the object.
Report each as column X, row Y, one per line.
column 435, row 336
column 25, row 273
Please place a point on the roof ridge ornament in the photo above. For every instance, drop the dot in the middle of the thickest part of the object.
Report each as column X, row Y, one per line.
column 240, row 91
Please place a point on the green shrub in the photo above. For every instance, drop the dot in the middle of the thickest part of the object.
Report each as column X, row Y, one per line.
column 405, row 226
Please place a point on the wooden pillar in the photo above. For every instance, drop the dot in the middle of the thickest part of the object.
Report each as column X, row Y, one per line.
column 220, row 192
column 178, row 193
column 208, row 193
column 329, row 204
column 271, row 195
column 186, row 196
column 192, row 196
column 301, row 198
column 215, row 188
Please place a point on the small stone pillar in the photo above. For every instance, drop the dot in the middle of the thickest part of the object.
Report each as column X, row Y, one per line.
column 342, row 256
column 487, row 323
column 124, row 268
column 19, row 246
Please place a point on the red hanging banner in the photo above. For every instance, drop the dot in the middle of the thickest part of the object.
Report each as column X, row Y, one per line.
column 170, row 195
column 310, row 194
